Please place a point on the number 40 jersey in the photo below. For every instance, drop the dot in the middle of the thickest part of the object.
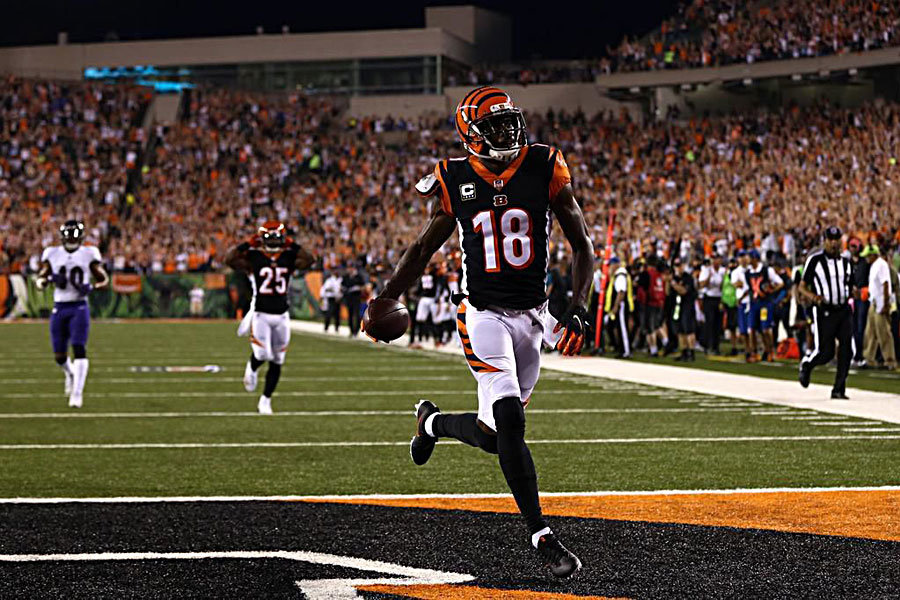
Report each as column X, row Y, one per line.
column 71, row 269
column 504, row 222
column 271, row 278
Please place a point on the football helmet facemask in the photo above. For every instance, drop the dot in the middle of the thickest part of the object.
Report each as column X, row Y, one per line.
column 72, row 234
column 272, row 236
column 490, row 125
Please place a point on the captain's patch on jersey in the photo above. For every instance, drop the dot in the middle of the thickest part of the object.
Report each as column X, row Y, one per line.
column 467, row 191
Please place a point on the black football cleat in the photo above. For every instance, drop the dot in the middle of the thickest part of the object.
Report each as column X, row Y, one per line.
column 839, row 396
column 805, row 373
column 421, row 446
column 562, row 563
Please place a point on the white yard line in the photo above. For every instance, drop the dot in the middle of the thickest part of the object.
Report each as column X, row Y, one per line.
column 658, row 440
column 845, row 423
column 463, row 496
column 869, row 405
column 212, row 378
column 870, row 429
column 348, row 394
column 340, row 413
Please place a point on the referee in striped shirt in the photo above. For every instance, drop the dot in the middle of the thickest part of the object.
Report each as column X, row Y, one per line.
column 827, row 285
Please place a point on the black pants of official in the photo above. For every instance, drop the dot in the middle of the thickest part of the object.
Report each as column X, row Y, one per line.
column 830, row 324
column 860, row 316
column 333, row 314
column 353, row 302
column 712, row 326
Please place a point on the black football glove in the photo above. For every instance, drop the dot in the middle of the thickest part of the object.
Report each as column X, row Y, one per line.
column 575, row 327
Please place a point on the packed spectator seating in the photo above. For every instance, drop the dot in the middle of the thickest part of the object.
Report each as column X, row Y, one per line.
column 64, row 149
column 771, row 179
column 707, row 33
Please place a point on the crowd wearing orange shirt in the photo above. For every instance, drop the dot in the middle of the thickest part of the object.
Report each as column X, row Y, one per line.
column 772, row 179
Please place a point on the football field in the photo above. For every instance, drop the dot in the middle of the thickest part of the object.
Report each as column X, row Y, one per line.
column 156, row 428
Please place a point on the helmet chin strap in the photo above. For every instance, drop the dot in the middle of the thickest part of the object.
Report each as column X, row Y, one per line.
column 496, row 155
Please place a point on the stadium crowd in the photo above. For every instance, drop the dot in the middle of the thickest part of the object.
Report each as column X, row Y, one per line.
column 682, row 189
column 64, row 149
column 709, row 33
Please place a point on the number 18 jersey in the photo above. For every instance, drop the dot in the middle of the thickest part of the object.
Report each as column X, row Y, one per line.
column 271, row 278
column 504, row 222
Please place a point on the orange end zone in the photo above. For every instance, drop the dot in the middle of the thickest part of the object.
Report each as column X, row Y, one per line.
column 871, row 514
column 467, row 592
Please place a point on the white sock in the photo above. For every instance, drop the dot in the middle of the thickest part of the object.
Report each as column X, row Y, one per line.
column 79, row 375
column 429, row 424
column 536, row 537
column 67, row 367
column 653, row 349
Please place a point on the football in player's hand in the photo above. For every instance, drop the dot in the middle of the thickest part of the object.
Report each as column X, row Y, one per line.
column 385, row 319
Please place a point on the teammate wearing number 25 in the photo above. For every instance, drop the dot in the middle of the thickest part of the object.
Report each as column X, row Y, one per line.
column 501, row 198
column 69, row 268
column 268, row 258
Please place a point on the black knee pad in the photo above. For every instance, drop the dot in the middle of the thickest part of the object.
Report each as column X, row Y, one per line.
column 486, row 441
column 509, row 415
column 79, row 351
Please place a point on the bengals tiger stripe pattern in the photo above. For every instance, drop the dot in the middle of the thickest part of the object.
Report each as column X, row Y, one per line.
column 477, row 365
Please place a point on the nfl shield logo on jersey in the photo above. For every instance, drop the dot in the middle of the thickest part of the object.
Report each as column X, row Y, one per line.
column 498, row 184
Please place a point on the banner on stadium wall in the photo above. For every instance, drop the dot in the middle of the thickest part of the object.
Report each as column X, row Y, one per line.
column 126, row 283
column 182, row 295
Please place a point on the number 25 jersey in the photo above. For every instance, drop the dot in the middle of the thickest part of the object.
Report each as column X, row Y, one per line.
column 504, row 222
column 271, row 279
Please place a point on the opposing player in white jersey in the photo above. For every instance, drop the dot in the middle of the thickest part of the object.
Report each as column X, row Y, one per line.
column 70, row 267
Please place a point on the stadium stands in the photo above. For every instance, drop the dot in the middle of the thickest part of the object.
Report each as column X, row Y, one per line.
column 237, row 157
column 712, row 33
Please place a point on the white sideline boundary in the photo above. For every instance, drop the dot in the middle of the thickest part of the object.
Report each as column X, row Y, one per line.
column 463, row 496
column 866, row 404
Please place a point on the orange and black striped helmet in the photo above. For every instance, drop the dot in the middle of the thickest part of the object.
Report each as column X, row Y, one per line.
column 272, row 236
column 490, row 125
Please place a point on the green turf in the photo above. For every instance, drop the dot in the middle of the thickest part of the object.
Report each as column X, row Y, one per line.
column 328, row 374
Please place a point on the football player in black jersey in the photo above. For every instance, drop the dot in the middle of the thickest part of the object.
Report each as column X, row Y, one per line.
column 501, row 198
column 269, row 259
